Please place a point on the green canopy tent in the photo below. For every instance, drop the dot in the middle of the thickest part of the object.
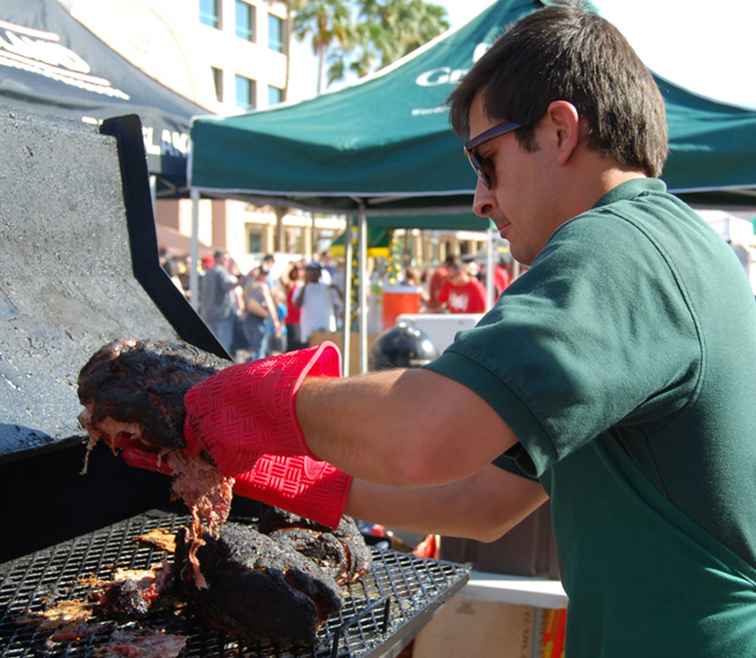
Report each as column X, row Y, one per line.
column 378, row 243
column 384, row 145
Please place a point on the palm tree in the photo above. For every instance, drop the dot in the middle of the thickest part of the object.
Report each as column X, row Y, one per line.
column 292, row 6
column 390, row 29
column 328, row 23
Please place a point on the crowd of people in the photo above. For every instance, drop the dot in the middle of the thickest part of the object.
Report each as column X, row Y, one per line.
column 270, row 310
column 265, row 312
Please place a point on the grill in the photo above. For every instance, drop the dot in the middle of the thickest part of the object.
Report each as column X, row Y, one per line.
column 381, row 613
column 78, row 242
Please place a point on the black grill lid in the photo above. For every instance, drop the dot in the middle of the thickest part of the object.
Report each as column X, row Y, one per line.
column 79, row 267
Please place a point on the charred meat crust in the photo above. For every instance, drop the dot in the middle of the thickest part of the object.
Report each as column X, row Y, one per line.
column 144, row 382
column 319, row 542
column 256, row 586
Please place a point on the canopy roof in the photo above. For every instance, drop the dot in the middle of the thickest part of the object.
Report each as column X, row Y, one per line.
column 51, row 64
column 380, row 227
column 387, row 140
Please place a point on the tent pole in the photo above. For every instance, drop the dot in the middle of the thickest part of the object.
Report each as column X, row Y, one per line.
column 490, row 270
column 193, row 279
column 364, row 285
column 348, row 255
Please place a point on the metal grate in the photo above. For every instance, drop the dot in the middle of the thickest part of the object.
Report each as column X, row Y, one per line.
column 381, row 612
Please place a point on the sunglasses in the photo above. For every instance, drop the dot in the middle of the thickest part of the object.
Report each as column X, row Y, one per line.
column 484, row 167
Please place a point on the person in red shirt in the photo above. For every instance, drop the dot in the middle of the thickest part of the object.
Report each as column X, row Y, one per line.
column 462, row 293
column 293, row 312
column 502, row 277
column 437, row 281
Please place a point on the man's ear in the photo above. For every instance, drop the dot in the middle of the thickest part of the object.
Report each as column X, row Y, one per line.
column 565, row 125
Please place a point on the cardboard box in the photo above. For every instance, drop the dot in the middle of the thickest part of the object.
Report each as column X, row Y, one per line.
column 477, row 629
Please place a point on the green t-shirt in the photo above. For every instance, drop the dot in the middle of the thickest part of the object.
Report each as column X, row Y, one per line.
column 625, row 362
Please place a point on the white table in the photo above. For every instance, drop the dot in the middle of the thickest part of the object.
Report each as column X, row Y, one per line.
column 517, row 590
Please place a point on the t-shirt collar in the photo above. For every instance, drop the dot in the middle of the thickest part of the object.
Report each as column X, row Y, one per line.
column 630, row 189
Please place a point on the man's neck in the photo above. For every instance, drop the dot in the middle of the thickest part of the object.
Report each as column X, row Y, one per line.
column 585, row 193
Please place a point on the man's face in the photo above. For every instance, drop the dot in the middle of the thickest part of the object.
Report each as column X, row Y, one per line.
column 521, row 200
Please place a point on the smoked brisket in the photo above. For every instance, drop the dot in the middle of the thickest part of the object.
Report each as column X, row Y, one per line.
column 256, row 586
column 137, row 387
column 341, row 552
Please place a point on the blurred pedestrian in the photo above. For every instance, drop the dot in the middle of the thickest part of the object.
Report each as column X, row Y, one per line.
column 295, row 280
column 502, row 276
column 462, row 292
column 316, row 301
column 220, row 302
column 437, row 281
column 260, row 320
column 268, row 265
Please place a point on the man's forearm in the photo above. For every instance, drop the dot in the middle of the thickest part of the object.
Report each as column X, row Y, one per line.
column 400, row 427
column 483, row 506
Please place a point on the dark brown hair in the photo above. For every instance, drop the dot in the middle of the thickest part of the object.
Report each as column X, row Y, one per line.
column 565, row 52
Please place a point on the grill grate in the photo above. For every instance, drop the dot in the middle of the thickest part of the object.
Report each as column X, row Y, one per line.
column 383, row 610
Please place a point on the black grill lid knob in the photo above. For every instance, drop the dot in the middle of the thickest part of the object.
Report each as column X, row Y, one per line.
column 402, row 346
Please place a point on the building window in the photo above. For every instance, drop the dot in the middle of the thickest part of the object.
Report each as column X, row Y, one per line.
column 275, row 33
column 210, row 13
column 294, row 236
column 245, row 20
column 275, row 95
column 218, row 83
column 254, row 239
column 245, row 93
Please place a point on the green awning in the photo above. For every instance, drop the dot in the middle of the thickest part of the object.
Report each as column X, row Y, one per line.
column 387, row 142
column 378, row 243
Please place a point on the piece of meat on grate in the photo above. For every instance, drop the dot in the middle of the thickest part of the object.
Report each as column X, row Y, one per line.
column 257, row 587
column 341, row 552
column 132, row 592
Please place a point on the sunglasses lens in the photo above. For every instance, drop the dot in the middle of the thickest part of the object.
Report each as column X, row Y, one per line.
column 483, row 167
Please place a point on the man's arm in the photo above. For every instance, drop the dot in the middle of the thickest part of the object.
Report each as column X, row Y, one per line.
column 483, row 506
column 401, row 427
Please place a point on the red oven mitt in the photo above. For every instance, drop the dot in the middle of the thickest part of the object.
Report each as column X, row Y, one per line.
column 314, row 489
column 244, row 418
column 248, row 410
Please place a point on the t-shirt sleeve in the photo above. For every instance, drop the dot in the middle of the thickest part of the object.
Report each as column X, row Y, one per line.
column 584, row 341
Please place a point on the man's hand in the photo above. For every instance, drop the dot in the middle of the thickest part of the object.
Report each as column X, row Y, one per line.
column 249, row 409
column 243, row 419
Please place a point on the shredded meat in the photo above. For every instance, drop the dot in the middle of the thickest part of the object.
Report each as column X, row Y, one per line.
column 208, row 495
column 61, row 614
column 159, row 538
column 141, row 644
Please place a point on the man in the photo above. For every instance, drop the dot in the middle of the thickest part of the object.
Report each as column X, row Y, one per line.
column 316, row 301
column 438, row 279
column 617, row 376
column 502, row 276
column 462, row 292
column 267, row 266
column 219, row 299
